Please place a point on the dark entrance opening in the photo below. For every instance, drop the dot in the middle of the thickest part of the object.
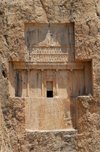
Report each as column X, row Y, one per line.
column 49, row 94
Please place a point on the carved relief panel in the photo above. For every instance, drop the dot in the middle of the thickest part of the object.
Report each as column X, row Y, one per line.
column 49, row 42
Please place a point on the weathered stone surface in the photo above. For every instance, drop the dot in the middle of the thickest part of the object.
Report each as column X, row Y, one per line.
column 85, row 15
column 48, row 114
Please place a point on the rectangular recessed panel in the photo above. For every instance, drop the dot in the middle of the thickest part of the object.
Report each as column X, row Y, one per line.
column 48, row 114
column 49, row 42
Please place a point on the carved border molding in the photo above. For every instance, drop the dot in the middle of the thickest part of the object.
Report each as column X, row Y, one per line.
column 33, row 66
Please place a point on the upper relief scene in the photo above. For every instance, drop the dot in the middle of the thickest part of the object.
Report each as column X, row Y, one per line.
column 52, row 35
column 49, row 42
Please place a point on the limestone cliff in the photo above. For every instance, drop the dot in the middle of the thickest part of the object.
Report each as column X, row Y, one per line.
column 85, row 15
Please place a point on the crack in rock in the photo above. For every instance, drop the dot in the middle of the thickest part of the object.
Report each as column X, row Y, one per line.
column 44, row 10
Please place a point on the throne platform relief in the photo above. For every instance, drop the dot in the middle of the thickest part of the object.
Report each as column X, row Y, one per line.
column 49, row 80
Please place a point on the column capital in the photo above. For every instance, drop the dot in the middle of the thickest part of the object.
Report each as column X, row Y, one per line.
column 28, row 70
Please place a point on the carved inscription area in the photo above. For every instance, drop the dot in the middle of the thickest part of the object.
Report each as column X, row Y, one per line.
column 48, row 54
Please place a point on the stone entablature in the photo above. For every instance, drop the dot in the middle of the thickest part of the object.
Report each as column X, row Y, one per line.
column 41, row 66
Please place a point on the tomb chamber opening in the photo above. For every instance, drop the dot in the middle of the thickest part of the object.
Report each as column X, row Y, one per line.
column 49, row 79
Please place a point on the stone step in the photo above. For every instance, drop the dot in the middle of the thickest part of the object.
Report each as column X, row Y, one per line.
column 68, row 131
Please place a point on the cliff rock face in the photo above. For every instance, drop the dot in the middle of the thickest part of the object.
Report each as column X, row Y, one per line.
column 85, row 16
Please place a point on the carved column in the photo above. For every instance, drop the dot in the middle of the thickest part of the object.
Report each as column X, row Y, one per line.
column 56, row 82
column 42, row 83
column 71, row 86
column 28, row 73
column 24, row 84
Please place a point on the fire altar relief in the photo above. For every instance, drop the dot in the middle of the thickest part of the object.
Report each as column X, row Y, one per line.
column 50, row 79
